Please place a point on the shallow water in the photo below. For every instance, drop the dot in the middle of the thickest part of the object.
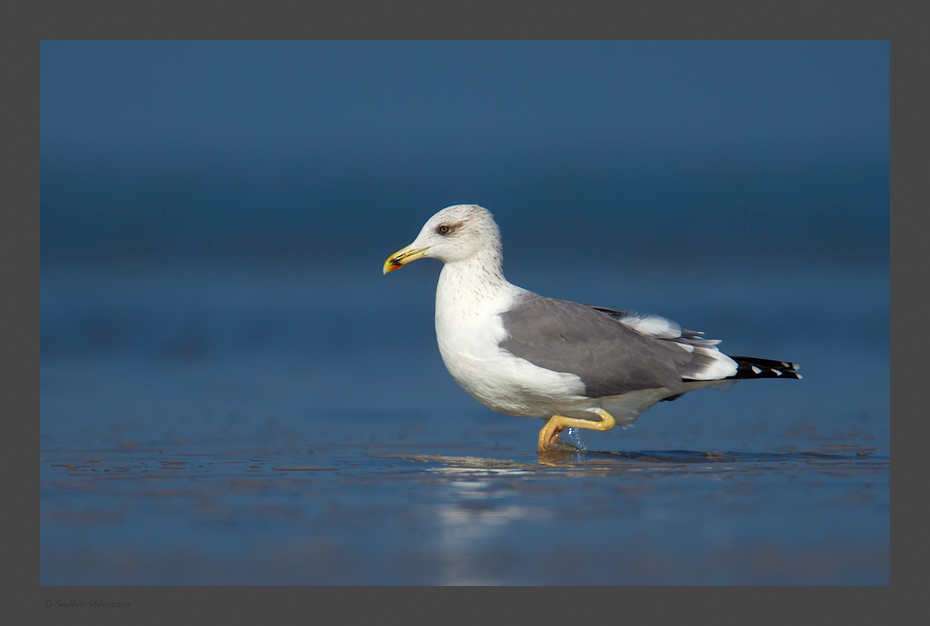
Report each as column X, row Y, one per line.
column 386, row 514
column 274, row 426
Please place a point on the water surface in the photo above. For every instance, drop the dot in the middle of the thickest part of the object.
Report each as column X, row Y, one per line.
column 277, row 425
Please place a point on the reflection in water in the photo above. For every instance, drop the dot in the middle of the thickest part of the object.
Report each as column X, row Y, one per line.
column 471, row 520
column 180, row 513
column 486, row 530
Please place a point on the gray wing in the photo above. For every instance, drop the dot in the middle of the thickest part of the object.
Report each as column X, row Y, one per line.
column 604, row 348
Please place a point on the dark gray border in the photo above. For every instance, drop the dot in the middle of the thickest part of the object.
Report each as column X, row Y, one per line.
column 426, row 20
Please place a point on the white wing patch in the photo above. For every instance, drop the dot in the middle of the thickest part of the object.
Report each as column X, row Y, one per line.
column 717, row 365
column 652, row 325
column 720, row 365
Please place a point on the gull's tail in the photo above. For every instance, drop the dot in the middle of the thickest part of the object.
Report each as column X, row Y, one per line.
column 751, row 367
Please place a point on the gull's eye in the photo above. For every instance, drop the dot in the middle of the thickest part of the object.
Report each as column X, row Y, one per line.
column 448, row 229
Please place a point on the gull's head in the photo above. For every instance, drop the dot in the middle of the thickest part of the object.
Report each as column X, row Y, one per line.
column 454, row 234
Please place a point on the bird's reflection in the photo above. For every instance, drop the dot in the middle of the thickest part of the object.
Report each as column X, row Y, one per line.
column 478, row 510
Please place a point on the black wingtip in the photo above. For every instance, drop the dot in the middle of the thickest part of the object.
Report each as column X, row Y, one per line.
column 752, row 367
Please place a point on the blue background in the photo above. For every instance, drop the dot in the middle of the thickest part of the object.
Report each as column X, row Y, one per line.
column 214, row 217
column 620, row 150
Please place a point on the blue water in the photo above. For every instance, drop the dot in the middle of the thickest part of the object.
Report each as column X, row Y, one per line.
column 232, row 393
column 280, row 424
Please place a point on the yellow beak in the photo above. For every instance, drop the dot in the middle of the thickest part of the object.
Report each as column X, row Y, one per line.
column 402, row 257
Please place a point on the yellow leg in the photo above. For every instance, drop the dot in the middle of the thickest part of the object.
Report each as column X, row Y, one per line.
column 549, row 433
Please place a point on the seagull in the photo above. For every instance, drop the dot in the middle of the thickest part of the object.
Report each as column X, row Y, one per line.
column 574, row 365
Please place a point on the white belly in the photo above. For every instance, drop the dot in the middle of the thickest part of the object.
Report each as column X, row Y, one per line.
column 497, row 379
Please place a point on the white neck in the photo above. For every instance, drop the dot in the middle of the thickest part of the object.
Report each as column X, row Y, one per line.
column 473, row 286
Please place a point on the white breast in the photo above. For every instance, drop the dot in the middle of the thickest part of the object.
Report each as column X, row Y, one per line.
column 468, row 330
